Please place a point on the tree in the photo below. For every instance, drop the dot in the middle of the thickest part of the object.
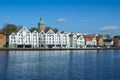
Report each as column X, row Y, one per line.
column 33, row 28
column 54, row 29
column 8, row 29
column 47, row 27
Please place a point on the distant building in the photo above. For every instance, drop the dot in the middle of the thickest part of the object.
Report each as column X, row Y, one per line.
column 73, row 40
column 90, row 40
column 41, row 25
column 108, row 42
column 53, row 39
column 100, row 40
column 80, row 41
column 22, row 38
column 116, row 40
column 2, row 40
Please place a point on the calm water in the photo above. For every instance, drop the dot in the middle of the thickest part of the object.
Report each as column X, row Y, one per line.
column 60, row 65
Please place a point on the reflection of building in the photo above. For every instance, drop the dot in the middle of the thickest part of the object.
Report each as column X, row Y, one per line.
column 2, row 40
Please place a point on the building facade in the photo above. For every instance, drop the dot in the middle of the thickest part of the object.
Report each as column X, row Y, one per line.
column 100, row 41
column 44, row 39
column 116, row 40
column 90, row 40
column 2, row 40
column 49, row 38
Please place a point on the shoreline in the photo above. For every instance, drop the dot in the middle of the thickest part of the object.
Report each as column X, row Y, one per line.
column 38, row 49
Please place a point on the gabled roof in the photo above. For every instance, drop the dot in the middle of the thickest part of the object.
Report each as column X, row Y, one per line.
column 62, row 32
column 23, row 29
column 34, row 31
column 78, row 36
column 118, row 37
column 98, row 37
column 89, row 37
column 13, row 33
column 46, row 30
column 55, row 31
column 108, row 40
column 58, row 32
column 50, row 30
column 71, row 35
column 41, row 32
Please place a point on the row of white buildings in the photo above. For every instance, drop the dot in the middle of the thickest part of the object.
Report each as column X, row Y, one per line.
column 48, row 38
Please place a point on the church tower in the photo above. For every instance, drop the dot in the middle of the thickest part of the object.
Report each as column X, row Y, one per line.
column 41, row 25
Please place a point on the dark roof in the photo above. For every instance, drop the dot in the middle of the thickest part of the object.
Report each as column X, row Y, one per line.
column 55, row 31
column 78, row 36
column 107, row 40
column 117, row 37
column 2, row 31
column 46, row 30
column 62, row 32
column 71, row 35
column 98, row 37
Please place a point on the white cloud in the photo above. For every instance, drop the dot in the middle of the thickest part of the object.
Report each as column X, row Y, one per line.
column 108, row 28
column 62, row 20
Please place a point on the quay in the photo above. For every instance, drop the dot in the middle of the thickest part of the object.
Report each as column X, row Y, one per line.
column 38, row 49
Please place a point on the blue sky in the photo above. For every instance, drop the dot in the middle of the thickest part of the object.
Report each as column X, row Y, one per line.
column 87, row 16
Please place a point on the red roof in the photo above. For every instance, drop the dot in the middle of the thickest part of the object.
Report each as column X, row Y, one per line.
column 89, row 38
column 2, row 36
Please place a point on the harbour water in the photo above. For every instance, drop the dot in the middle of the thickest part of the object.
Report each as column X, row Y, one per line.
column 60, row 65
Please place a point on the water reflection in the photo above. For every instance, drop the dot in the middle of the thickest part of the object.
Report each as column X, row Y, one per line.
column 60, row 65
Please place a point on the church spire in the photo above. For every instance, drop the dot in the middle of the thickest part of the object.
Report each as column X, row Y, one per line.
column 41, row 25
column 41, row 20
